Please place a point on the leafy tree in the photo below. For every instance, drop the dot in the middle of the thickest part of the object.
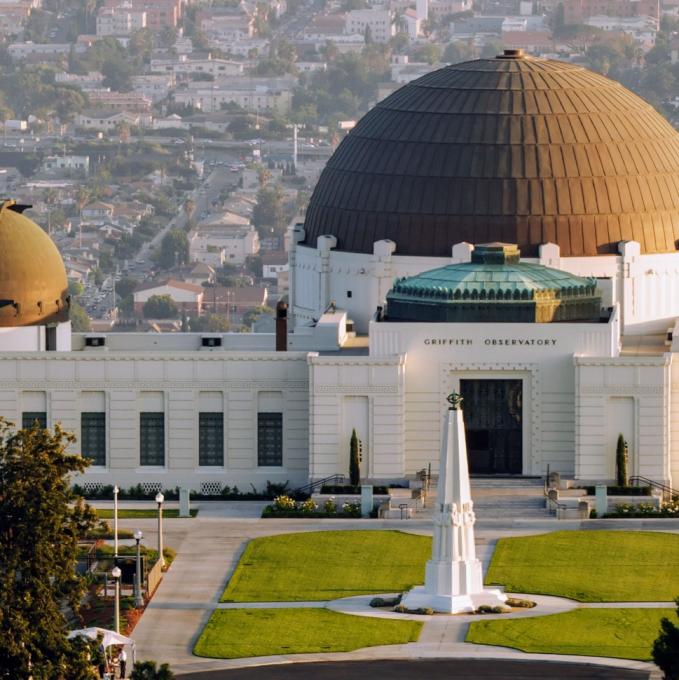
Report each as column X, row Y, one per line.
column 268, row 211
column 160, row 307
column 80, row 321
column 126, row 286
column 456, row 52
column 354, row 460
column 41, row 520
column 75, row 288
column 253, row 314
column 148, row 670
column 174, row 248
column 211, row 323
column 665, row 650
column 254, row 265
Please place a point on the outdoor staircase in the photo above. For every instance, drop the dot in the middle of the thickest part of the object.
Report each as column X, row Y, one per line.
column 501, row 498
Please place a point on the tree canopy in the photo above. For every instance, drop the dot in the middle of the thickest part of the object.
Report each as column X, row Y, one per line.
column 174, row 249
column 160, row 307
column 41, row 520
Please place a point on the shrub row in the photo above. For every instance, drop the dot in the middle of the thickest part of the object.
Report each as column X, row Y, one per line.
column 349, row 489
column 286, row 506
column 621, row 490
column 138, row 493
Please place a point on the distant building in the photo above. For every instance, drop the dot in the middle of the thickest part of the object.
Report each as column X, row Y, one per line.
column 187, row 296
column 119, row 21
column 218, row 245
column 108, row 121
column 131, row 102
column 67, row 164
column 578, row 11
column 248, row 96
column 182, row 65
column 378, row 22
column 273, row 262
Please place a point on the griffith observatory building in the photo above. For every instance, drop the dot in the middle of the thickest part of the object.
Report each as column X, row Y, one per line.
column 504, row 228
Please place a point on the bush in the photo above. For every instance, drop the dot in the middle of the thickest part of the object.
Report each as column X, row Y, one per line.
column 351, row 509
column 284, row 503
column 665, row 650
column 421, row 611
column 621, row 490
column 487, row 609
column 329, row 506
column 519, row 603
column 385, row 601
column 307, row 507
column 349, row 489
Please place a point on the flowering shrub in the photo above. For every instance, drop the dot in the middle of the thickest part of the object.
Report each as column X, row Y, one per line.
column 635, row 509
column 671, row 509
column 283, row 503
column 351, row 509
column 308, row 506
column 329, row 506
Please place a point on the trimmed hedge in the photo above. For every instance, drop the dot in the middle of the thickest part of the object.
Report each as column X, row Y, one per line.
column 621, row 490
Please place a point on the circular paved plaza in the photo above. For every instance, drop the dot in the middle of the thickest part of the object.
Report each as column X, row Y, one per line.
column 448, row 669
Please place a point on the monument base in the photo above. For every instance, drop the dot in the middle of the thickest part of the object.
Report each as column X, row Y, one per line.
column 419, row 598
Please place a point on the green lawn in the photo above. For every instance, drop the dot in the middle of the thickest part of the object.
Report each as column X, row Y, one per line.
column 590, row 566
column 237, row 633
column 326, row 565
column 140, row 513
column 618, row 633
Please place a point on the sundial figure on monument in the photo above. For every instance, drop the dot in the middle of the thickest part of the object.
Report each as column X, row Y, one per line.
column 455, row 400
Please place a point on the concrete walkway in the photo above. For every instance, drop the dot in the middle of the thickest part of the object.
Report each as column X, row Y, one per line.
column 210, row 545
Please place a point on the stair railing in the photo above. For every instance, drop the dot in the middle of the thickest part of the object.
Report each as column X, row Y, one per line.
column 668, row 493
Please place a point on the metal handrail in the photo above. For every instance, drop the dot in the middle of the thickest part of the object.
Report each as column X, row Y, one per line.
column 312, row 486
column 667, row 491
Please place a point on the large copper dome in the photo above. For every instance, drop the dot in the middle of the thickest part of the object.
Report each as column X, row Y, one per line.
column 511, row 149
column 33, row 284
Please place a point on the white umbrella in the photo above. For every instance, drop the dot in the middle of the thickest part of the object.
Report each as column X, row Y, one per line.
column 109, row 637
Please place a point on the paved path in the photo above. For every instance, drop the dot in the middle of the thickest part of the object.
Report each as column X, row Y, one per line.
column 209, row 546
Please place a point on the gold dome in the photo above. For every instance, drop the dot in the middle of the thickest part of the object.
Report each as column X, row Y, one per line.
column 33, row 284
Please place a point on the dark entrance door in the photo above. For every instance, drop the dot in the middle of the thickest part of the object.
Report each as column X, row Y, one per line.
column 493, row 418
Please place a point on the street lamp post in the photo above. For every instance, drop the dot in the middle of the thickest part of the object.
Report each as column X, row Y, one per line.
column 116, row 490
column 116, row 573
column 138, row 599
column 159, row 499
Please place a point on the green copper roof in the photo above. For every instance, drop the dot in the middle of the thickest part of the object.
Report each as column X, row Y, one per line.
column 488, row 287
column 494, row 273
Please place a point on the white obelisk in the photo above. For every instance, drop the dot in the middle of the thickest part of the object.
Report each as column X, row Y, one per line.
column 454, row 576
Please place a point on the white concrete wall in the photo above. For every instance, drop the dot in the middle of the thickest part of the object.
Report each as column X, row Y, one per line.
column 646, row 286
column 541, row 355
column 126, row 379
column 380, row 381
column 646, row 380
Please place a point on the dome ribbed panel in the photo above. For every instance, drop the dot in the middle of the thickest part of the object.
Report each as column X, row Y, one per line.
column 517, row 150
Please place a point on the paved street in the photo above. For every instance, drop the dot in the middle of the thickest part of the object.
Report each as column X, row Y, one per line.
column 209, row 546
column 458, row 669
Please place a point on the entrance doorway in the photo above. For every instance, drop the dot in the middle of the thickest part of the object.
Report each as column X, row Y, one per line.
column 493, row 418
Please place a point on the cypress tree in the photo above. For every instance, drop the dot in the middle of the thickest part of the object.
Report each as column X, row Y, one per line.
column 354, row 461
column 665, row 650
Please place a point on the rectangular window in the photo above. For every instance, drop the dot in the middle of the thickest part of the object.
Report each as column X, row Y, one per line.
column 93, row 436
column 152, row 439
column 28, row 419
column 269, row 439
column 211, row 439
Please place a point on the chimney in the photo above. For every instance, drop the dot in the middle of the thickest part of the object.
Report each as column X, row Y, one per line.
column 282, row 326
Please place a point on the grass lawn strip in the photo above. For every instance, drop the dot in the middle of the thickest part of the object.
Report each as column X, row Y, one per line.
column 590, row 566
column 616, row 633
column 238, row 633
column 326, row 565
column 141, row 513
